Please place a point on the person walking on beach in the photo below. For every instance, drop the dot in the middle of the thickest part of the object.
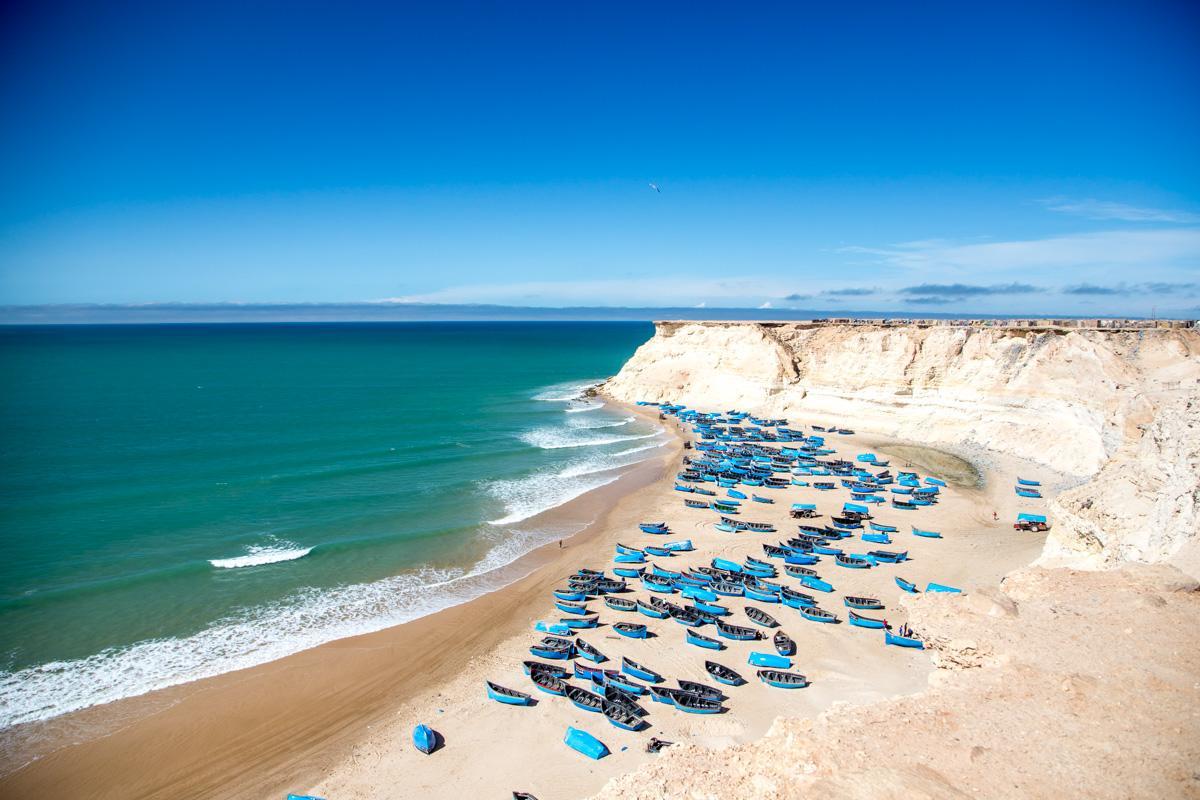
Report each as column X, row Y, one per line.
column 995, row 517
column 560, row 544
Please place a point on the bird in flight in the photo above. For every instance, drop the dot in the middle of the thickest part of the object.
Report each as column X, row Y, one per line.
column 654, row 186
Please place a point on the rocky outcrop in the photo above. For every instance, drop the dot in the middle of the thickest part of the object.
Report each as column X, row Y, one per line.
column 1115, row 412
column 1022, row 706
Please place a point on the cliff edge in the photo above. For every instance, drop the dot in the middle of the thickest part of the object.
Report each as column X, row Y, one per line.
column 1116, row 413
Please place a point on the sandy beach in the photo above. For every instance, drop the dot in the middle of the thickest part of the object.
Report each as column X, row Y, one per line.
column 336, row 720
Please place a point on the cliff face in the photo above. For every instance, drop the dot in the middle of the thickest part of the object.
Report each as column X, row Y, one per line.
column 1117, row 412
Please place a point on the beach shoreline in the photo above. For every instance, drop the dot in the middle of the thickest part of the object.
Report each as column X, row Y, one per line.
column 132, row 747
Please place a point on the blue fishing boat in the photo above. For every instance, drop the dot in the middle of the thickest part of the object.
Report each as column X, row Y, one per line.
column 781, row 679
column 554, row 628
column 862, row 602
column 902, row 641
column 736, row 494
column 569, row 595
column 694, row 704
column 548, row 682
column 738, row 633
column 627, row 550
column 651, row 610
column 657, row 528
column 697, row 593
column 1024, row 482
column 801, row 559
column 815, row 614
column 759, row 499
column 877, row 538
column 761, row 596
column 726, row 564
column 907, row 586
column 584, row 742
column 936, row 482
column 585, row 700
column 538, row 666
column 860, row 621
column 851, row 561
column 723, row 674
column 926, row 534
column 879, row 528
column 660, row 552
column 620, row 604
column 628, row 572
column 1028, row 492
column 622, row 717
column 590, row 653
column 554, row 649
column 826, row 550
column 629, row 558
column 815, row 583
column 507, row 696
column 714, row 609
column 691, row 637
column 794, row 599
column 424, row 739
column 938, row 587
column 684, row 546
column 571, row 608
column 770, row 660
column 631, row 630
column 622, row 682
column 638, row 671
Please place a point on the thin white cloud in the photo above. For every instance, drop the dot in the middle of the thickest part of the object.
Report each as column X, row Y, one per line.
column 635, row 292
column 1142, row 249
column 1107, row 210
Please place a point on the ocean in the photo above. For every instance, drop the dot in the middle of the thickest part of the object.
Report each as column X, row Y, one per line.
column 179, row 501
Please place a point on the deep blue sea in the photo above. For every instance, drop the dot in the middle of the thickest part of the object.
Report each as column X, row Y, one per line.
column 179, row 501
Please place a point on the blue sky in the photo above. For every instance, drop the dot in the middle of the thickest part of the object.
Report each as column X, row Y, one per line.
column 1013, row 157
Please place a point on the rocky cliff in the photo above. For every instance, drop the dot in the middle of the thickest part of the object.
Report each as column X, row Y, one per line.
column 1114, row 412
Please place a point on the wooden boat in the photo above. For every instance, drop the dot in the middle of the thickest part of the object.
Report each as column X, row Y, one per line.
column 424, row 739
column 784, row 644
column 629, row 558
column 702, row 690
column 553, row 648
column 860, row 621
column 888, row 556
column 629, row 572
column 712, row 609
column 760, row 617
column 689, row 618
column 759, row 499
column 1024, row 482
column 586, row 673
column 654, row 527
column 795, row 599
column 507, row 696
column 727, row 565
column 782, row 679
column 659, row 552
column 702, row 641
column 862, row 602
column 683, row 546
column 728, row 589
column 816, row 614
column 531, row 667
column 800, row 572
column 626, row 550
column 926, row 534
column 826, row 550
column 569, row 595
column 581, row 622
column 813, row 582
column 694, row 704
column 621, row 717
column 903, row 641
column 723, row 674
column 907, row 586
column 582, row 698
column 737, row 632
column 590, row 653
column 631, row 629
column 549, row 683
column 852, row 562
column 1027, row 492
column 635, row 669
column 584, row 742
column 620, row 604
column 734, row 493
column 940, row 587
column 571, row 608
column 761, row 596
column 651, row 609
column 800, row 560
column 771, row 660
column 695, row 504
column 622, row 697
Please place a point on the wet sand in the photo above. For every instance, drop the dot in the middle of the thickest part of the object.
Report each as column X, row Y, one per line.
column 336, row 720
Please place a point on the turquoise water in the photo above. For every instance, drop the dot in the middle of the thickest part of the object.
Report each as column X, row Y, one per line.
column 179, row 501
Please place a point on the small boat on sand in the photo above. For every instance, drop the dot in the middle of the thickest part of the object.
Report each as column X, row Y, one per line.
column 424, row 739
column 631, row 629
column 702, row 690
column 770, row 660
column 784, row 644
column 859, row 621
column 702, row 641
column 723, row 674
column 590, row 653
column 907, row 586
column 760, row 617
column 864, row 603
column 737, row 632
column 630, row 667
column 781, row 679
column 585, row 743
column 507, row 696
column 584, row 699
column 548, row 683
column 815, row 614
column 620, row 604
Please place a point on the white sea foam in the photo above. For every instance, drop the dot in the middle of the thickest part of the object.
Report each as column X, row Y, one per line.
column 565, row 392
column 587, row 423
column 585, row 405
column 558, row 438
column 257, row 555
column 526, row 497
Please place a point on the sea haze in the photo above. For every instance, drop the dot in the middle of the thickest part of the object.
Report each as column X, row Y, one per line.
column 180, row 501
